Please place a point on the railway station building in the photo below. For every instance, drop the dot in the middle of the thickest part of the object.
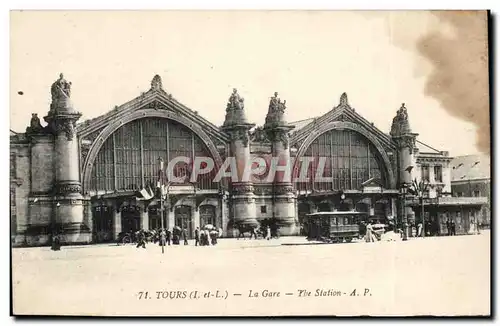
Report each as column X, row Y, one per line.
column 93, row 179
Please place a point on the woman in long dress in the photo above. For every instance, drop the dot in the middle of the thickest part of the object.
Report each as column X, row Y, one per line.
column 369, row 236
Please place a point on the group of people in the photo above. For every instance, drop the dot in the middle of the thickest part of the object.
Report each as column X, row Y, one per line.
column 372, row 232
column 166, row 237
column 206, row 237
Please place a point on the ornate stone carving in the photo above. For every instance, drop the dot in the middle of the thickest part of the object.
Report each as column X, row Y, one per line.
column 245, row 188
column 279, row 135
column 240, row 134
column 343, row 99
column 400, row 124
column 263, row 189
column 246, row 200
column 157, row 106
column 284, row 199
column 260, row 135
column 280, row 189
column 283, row 138
column 156, row 83
column 84, row 152
column 407, row 141
column 68, row 188
column 66, row 126
column 35, row 125
column 61, row 89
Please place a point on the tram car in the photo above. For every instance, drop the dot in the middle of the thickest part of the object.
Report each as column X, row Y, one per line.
column 334, row 227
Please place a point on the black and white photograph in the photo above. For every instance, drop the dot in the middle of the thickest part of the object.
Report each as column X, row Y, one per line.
column 250, row 163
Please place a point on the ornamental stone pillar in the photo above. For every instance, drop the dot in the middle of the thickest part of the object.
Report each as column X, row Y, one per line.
column 242, row 191
column 405, row 141
column 284, row 197
column 61, row 119
column 117, row 222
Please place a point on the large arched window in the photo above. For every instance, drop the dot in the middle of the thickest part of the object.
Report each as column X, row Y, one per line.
column 128, row 159
column 344, row 159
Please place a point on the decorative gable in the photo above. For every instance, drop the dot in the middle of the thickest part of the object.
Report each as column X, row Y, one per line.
column 156, row 98
column 343, row 113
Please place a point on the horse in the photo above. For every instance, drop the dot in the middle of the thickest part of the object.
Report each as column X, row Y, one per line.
column 244, row 228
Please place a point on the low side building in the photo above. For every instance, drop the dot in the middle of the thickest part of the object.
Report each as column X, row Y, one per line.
column 471, row 177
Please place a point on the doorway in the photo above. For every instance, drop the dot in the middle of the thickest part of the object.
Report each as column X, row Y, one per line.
column 183, row 219
column 102, row 223
column 207, row 216
column 131, row 219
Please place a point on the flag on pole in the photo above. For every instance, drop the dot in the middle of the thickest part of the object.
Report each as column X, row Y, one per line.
column 150, row 191
column 145, row 194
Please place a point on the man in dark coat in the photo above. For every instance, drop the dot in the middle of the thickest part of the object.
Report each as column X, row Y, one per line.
column 196, row 236
column 184, row 236
column 169, row 236
column 141, row 239
column 56, row 242
column 453, row 228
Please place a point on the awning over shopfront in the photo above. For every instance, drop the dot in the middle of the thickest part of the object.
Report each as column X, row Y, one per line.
column 449, row 201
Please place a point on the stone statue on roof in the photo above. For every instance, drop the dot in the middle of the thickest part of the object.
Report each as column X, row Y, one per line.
column 400, row 123
column 275, row 114
column 61, row 89
column 236, row 102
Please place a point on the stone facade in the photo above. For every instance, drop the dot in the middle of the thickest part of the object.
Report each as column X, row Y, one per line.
column 89, row 181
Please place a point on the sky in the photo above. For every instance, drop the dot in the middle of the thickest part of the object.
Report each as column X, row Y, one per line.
column 309, row 57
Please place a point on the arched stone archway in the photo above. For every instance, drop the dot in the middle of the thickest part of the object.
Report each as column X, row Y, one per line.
column 345, row 125
column 120, row 121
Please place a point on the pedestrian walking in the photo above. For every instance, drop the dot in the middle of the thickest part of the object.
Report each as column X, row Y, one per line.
column 453, row 228
column 141, row 239
column 369, row 236
column 163, row 236
column 168, row 236
column 56, row 242
column 197, row 237
column 184, row 236
column 268, row 233
column 419, row 230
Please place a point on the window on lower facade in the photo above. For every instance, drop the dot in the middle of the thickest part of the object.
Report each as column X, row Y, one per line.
column 425, row 173
column 263, row 209
column 477, row 193
column 438, row 173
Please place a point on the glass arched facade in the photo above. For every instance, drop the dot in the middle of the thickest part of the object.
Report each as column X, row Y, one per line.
column 344, row 159
column 128, row 159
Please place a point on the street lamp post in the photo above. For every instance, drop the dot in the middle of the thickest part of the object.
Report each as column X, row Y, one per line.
column 419, row 189
column 438, row 216
column 405, row 218
column 160, row 183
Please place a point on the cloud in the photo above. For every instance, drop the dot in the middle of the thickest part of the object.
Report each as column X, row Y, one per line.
column 459, row 76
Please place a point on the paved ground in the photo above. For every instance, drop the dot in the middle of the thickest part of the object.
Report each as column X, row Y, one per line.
column 434, row 276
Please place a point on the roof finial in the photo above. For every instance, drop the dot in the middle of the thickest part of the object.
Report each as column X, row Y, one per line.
column 343, row 99
column 156, row 83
